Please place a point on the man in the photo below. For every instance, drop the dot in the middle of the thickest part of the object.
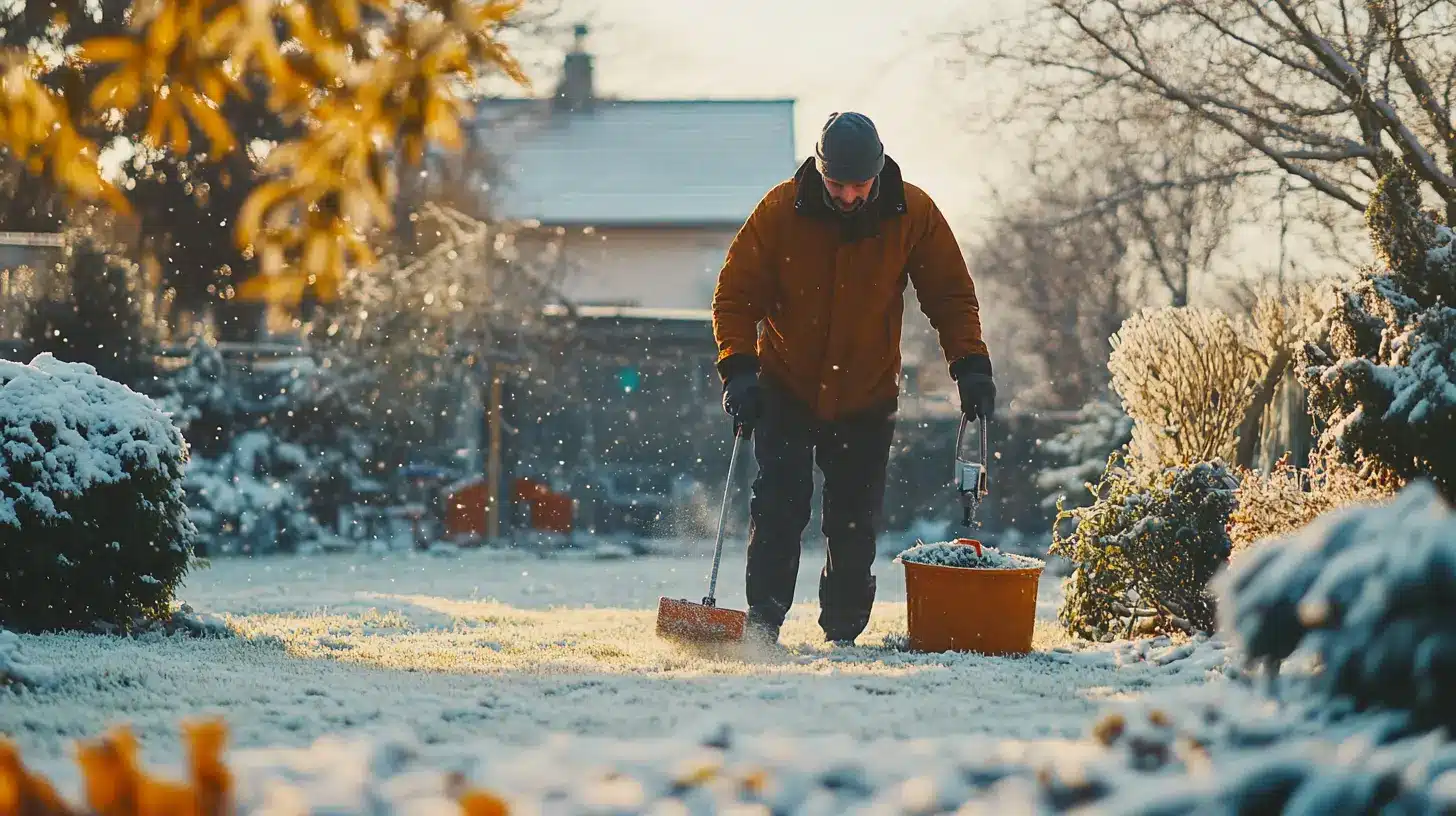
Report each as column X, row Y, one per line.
column 822, row 263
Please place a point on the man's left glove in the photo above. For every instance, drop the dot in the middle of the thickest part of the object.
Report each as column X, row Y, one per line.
column 742, row 395
column 978, row 390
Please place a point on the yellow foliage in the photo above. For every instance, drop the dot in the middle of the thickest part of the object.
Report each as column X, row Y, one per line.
column 363, row 77
column 115, row 785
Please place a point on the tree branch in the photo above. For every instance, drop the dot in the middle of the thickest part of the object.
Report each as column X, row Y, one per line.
column 1356, row 89
column 1416, row 80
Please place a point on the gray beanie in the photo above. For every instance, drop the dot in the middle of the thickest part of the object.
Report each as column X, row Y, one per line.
column 849, row 149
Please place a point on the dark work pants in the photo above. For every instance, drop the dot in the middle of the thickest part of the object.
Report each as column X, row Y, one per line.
column 853, row 455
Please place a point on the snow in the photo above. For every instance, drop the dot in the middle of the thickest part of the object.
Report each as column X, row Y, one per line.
column 15, row 669
column 373, row 682
column 442, row 651
column 66, row 430
column 967, row 556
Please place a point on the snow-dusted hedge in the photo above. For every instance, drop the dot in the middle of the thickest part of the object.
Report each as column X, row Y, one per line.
column 1164, row 364
column 1080, row 451
column 1145, row 551
column 1368, row 591
column 1279, row 502
column 93, row 521
column 1382, row 381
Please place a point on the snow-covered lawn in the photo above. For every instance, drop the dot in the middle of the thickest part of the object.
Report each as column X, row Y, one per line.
column 444, row 650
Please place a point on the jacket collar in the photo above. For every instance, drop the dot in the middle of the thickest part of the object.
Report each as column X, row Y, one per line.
column 890, row 203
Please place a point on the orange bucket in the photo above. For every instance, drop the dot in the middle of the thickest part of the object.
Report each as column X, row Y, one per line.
column 962, row 609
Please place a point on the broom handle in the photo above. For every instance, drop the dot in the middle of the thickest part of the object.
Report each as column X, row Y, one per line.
column 723, row 519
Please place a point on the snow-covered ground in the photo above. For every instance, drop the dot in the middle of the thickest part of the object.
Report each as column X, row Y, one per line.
column 443, row 650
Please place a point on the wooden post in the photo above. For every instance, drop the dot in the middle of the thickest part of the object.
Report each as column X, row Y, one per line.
column 493, row 459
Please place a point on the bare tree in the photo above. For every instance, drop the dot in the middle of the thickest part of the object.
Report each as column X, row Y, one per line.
column 1329, row 92
column 1131, row 217
column 1067, row 277
column 1168, row 187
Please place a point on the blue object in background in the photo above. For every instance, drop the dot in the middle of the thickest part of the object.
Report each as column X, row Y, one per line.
column 630, row 379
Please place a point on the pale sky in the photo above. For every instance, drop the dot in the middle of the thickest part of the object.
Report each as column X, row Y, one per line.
column 882, row 59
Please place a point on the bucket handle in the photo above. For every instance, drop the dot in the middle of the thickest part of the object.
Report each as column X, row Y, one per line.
column 971, row 478
column 961, row 436
column 971, row 542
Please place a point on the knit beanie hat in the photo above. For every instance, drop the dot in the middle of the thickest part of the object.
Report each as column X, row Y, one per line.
column 849, row 149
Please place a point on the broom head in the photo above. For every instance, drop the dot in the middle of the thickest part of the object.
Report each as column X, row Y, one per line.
column 679, row 619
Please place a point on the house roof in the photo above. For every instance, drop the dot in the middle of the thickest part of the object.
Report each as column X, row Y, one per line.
column 599, row 312
column 637, row 162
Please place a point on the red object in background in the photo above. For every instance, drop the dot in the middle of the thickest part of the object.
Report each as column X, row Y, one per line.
column 465, row 510
column 527, row 490
column 550, row 511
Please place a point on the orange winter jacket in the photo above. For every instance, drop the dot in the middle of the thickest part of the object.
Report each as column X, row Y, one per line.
column 829, row 290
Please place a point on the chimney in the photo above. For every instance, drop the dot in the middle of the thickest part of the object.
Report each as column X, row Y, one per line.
column 574, row 91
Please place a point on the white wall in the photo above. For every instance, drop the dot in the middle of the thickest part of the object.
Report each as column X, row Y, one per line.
column 656, row 268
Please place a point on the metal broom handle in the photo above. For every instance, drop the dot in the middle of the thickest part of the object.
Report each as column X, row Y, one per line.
column 723, row 518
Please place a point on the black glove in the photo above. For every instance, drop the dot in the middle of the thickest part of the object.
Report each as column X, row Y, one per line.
column 742, row 396
column 978, row 390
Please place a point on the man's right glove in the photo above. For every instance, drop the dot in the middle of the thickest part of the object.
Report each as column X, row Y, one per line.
column 742, row 395
column 978, row 390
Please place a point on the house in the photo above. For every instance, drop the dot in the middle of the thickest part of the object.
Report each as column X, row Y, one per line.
column 22, row 255
column 645, row 195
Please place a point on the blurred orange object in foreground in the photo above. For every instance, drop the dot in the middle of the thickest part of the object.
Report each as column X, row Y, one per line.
column 114, row 785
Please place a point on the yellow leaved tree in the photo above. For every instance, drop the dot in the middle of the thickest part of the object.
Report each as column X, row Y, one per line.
column 367, row 83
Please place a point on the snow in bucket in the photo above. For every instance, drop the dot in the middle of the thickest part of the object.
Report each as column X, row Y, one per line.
column 968, row 556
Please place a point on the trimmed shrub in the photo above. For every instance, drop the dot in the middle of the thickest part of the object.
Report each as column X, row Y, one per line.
column 1186, row 376
column 1144, row 552
column 93, row 521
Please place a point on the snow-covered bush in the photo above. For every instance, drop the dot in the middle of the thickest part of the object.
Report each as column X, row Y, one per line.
column 245, row 501
column 1366, row 590
column 1382, row 380
column 93, row 522
column 1144, row 552
column 203, row 400
column 278, row 449
column 1287, row 498
column 1080, row 452
column 967, row 556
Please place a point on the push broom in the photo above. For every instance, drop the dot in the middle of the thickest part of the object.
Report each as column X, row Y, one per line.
column 680, row 619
